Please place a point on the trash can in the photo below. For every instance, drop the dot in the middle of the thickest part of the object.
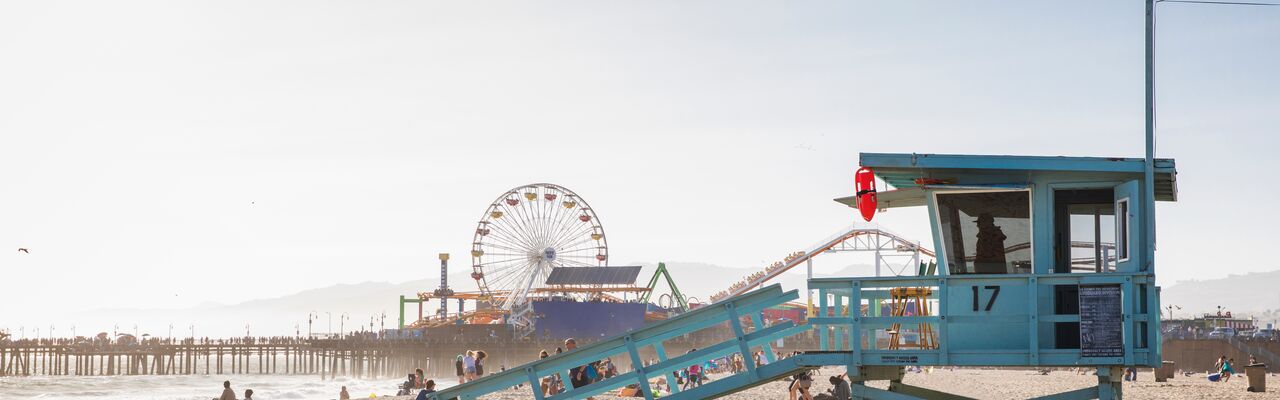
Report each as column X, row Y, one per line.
column 1257, row 374
column 1173, row 368
column 1165, row 371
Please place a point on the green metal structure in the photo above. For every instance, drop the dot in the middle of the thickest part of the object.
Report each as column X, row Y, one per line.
column 676, row 296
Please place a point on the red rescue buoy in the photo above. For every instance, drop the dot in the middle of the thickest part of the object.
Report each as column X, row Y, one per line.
column 865, row 183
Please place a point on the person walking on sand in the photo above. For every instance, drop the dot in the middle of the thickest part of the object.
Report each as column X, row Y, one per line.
column 228, row 394
column 343, row 395
column 1227, row 370
column 480, row 356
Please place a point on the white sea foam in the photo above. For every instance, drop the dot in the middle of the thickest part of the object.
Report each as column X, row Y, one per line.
column 190, row 387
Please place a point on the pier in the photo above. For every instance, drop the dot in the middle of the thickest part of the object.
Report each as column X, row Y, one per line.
column 321, row 357
column 355, row 357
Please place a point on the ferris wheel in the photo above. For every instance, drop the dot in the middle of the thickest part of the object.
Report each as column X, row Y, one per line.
column 525, row 233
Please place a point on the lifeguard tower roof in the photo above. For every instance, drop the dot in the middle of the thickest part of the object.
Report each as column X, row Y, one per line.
column 912, row 173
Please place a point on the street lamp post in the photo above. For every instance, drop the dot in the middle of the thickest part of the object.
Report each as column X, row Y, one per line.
column 311, row 317
column 342, row 319
column 329, row 331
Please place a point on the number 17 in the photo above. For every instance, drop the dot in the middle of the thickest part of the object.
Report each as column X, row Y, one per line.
column 995, row 292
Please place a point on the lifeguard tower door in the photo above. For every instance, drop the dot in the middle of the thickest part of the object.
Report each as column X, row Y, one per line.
column 1127, row 238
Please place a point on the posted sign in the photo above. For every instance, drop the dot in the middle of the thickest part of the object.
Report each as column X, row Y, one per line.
column 1101, row 321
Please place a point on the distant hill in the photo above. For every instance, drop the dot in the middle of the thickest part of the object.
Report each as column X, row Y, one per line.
column 1254, row 293
column 360, row 301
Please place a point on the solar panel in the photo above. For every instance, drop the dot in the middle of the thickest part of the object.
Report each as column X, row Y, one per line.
column 593, row 276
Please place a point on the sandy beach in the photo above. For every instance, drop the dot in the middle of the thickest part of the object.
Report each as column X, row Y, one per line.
column 1012, row 384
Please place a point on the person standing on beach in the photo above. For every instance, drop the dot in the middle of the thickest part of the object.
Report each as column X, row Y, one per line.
column 248, row 394
column 480, row 356
column 420, row 379
column 227, row 393
column 469, row 363
column 343, row 395
column 459, row 366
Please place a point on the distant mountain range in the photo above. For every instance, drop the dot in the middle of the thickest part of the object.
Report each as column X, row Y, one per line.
column 1251, row 294
column 287, row 315
column 1256, row 294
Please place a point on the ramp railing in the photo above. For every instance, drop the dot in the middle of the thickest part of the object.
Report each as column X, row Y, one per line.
column 631, row 344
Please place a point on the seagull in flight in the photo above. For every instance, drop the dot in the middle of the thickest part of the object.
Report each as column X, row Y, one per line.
column 24, row 250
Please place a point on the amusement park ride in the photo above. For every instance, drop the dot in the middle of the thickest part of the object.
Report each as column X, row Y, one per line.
column 524, row 238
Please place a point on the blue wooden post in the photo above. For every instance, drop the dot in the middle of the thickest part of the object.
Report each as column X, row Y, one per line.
column 1126, row 301
column 759, row 324
column 838, row 335
column 943, row 354
column 662, row 356
column 743, row 346
column 1033, row 320
column 822, row 313
column 855, row 325
column 638, row 366
column 534, row 382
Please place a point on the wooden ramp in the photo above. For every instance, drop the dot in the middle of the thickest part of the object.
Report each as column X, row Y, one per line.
column 629, row 345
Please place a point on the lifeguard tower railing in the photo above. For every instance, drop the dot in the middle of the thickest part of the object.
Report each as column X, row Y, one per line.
column 981, row 320
column 629, row 347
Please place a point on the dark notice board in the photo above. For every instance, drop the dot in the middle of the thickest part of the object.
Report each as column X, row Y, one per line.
column 1101, row 321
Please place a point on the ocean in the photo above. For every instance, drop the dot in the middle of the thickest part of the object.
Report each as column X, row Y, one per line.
column 192, row 387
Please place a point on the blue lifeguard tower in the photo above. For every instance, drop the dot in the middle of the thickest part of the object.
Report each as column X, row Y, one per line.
column 1042, row 262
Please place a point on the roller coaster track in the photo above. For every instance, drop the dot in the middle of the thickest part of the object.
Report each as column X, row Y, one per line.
column 847, row 238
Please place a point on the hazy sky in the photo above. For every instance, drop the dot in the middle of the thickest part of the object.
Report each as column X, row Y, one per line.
column 166, row 153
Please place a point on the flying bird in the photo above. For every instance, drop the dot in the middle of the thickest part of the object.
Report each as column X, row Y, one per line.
column 24, row 250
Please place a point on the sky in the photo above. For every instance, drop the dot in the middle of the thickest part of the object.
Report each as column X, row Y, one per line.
column 170, row 154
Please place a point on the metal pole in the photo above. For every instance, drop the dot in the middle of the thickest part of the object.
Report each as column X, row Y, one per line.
column 1149, row 189
column 877, row 254
column 808, row 291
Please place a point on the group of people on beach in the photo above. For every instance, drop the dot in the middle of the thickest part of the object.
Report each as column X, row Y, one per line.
column 579, row 376
column 416, row 381
column 1225, row 367
column 470, row 366
column 228, row 394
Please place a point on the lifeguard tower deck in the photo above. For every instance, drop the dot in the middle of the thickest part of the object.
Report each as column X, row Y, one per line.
column 1042, row 262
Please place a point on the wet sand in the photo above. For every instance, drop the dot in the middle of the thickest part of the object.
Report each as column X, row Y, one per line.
column 1012, row 384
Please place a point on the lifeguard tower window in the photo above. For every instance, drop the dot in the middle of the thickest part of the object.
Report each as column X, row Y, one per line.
column 986, row 232
column 1084, row 230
